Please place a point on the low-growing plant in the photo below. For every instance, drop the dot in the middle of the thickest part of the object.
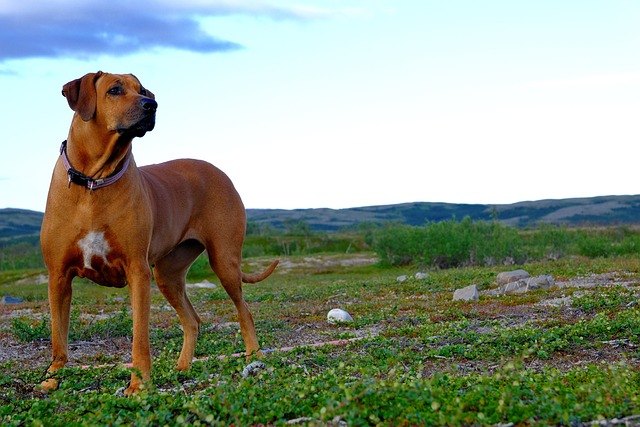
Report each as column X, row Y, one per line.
column 419, row 358
column 28, row 330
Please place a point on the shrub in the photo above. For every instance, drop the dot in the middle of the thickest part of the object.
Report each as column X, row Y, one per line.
column 449, row 243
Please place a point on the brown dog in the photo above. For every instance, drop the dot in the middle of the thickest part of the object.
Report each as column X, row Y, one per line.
column 108, row 220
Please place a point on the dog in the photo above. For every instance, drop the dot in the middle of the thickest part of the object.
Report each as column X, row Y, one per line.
column 110, row 221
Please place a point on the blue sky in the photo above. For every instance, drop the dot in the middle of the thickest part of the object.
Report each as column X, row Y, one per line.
column 308, row 104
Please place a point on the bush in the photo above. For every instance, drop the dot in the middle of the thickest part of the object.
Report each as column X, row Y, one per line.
column 449, row 244
column 452, row 243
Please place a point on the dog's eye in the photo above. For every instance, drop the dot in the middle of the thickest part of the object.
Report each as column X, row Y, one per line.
column 116, row 90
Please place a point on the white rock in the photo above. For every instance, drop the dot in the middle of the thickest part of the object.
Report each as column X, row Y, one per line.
column 204, row 284
column 253, row 369
column 401, row 278
column 420, row 275
column 338, row 315
column 469, row 293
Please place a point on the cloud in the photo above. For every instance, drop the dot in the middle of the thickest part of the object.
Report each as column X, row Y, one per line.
column 79, row 29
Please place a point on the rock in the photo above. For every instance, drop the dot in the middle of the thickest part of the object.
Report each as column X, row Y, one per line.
column 524, row 285
column 420, row 276
column 10, row 300
column 517, row 287
column 204, row 284
column 337, row 316
column 470, row 293
column 253, row 369
column 511, row 276
column 401, row 278
column 540, row 282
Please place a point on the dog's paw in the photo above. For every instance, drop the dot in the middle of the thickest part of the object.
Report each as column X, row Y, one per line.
column 49, row 385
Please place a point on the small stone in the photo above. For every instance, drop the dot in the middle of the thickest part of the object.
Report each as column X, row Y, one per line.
column 540, row 282
column 420, row 275
column 511, row 276
column 470, row 293
column 337, row 316
column 205, row 284
column 401, row 278
column 253, row 369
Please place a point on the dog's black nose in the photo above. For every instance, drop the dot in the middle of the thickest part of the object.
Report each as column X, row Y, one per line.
column 148, row 104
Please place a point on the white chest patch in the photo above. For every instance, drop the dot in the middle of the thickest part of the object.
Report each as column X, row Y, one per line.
column 94, row 244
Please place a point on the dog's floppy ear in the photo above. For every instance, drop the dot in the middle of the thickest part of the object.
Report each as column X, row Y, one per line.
column 81, row 95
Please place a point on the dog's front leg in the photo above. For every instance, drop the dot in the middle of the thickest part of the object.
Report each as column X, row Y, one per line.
column 60, row 306
column 140, row 290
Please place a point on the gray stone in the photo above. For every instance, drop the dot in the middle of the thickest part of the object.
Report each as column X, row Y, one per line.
column 253, row 369
column 420, row 275
column 517, row 287
column 511, row 276
column 524, row 285
column 540, row 282
column 401, row 278
column 470, row 293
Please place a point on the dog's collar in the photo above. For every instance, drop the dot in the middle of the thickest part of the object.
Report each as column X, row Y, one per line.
column 83, row 180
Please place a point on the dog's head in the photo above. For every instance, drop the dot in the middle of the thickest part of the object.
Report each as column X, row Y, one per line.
column 118, row 102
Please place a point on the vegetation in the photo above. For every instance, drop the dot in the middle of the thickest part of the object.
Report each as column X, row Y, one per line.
column 567, row 355
column 454, row 243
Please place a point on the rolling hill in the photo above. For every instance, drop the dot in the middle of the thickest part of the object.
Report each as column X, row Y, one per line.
column 598, row 211
column 594, row 211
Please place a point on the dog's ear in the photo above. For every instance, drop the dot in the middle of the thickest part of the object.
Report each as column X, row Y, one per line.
column 81, row 95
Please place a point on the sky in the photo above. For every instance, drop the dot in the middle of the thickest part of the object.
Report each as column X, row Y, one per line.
column 343, row 103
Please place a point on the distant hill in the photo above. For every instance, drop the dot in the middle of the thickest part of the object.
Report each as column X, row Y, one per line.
column 606, row 210
column 19, row 223
column 595, row 211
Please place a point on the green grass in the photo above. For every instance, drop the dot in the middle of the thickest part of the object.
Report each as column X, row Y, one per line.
column 423, row 359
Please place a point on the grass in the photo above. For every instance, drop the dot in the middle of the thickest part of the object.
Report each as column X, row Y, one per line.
column 422, row 359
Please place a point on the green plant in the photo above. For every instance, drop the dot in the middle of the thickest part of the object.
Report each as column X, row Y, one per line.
column 26, row 330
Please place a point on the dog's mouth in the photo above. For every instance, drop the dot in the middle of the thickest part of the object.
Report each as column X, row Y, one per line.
column 144, row 125
column 142, row 118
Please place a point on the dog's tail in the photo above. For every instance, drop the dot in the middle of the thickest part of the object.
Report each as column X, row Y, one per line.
column 255, row 278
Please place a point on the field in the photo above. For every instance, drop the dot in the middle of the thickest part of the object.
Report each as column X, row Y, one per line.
column 567, row 355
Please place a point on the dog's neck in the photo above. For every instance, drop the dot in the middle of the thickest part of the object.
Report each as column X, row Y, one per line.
column 102, row 163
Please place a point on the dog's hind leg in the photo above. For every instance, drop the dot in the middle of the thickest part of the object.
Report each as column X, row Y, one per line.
column 226, row 264
column 170, row 274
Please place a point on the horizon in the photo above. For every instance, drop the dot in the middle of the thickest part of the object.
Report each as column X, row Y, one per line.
column 410, row 203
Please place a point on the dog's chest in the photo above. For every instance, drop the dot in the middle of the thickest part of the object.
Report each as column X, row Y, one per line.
column 100, row 261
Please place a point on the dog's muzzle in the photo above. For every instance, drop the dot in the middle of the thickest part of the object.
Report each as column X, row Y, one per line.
column 147, row 121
